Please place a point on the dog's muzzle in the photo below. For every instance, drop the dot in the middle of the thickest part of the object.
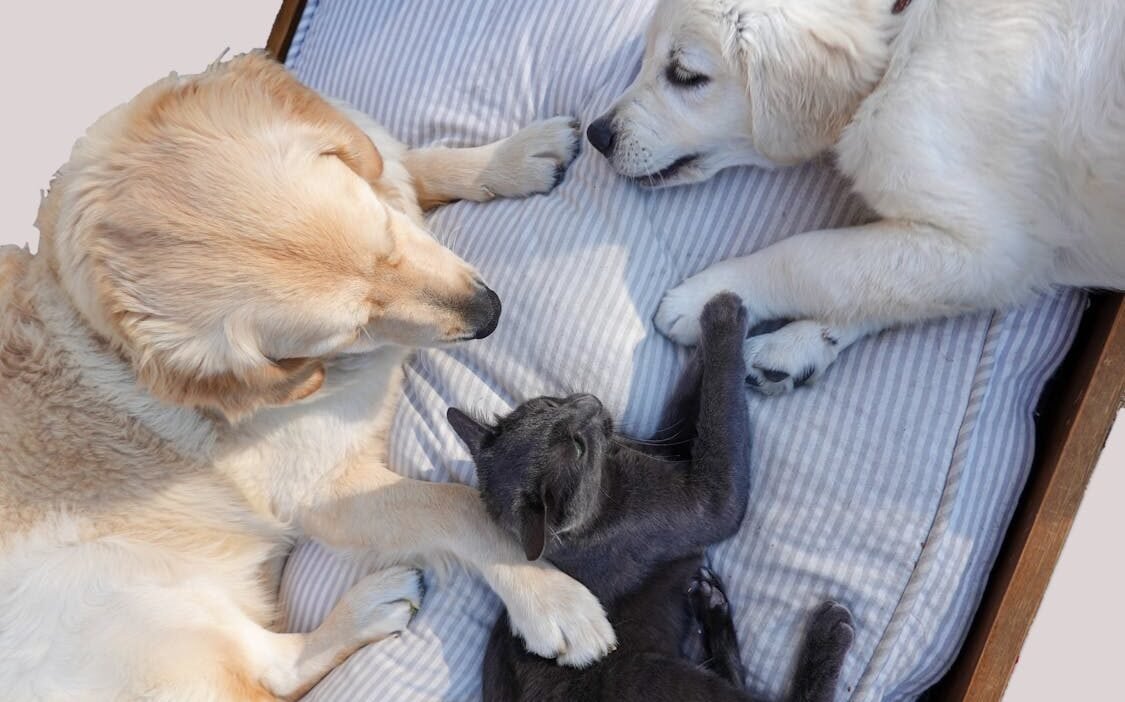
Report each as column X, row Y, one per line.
column 483, row 312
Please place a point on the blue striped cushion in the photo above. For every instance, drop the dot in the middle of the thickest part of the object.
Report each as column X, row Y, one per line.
column 887, row 486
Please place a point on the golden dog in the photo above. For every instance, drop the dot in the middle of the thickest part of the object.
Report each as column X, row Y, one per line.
column 201, row 363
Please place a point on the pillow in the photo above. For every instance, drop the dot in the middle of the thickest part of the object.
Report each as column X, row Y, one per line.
column 887, row 486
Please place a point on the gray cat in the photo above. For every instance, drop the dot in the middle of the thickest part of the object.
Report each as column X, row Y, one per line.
column 630, row 520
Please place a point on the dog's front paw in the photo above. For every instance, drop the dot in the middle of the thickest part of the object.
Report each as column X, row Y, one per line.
column 680, row 312
column 384, row 602
column 794, row 355
column 534, row 159
column 557, row 617
column 678, row 316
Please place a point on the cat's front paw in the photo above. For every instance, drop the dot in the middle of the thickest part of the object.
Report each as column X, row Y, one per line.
column 831, row 631
column 534, row 159
column 679, row 316
column 796, row 354
column 724, row 315
column 556, row 616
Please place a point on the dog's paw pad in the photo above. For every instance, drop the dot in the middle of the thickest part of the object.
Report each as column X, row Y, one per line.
column 794, row 355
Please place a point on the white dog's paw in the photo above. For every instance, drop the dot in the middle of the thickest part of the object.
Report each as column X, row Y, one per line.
column 534, row 159
column 678, row 315
column 384, row 602
column 557, row 617
column 792, row 356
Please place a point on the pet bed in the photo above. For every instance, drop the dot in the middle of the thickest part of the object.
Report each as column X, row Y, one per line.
column 888, row 485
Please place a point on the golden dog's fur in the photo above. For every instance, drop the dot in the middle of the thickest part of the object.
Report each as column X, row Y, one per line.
column 201, row 363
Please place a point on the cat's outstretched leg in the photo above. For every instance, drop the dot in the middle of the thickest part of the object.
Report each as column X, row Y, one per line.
column 711, row 609
column 829, row 637
column 721, row 451
column 678, row 420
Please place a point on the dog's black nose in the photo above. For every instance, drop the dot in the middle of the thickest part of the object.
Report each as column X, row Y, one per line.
column 484, row 311
column 601, row 135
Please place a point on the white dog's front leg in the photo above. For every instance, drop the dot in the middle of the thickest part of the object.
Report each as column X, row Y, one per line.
column 857, row 280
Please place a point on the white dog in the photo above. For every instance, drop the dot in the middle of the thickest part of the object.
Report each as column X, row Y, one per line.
column 989, row 137
column 202, row 362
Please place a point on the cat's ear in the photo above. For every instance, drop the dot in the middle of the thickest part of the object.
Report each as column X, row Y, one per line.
column 533, row 530
column 470, row 430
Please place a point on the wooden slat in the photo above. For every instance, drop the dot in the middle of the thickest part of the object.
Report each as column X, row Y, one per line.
column 1075, row 423
column 284, row 27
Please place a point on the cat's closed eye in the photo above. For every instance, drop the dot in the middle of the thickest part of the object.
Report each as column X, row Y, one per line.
column 579, row 446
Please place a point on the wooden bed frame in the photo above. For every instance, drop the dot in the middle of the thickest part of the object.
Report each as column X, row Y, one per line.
column 1075, row 416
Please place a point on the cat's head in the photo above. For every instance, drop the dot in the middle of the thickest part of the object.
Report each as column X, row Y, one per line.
column 540, row 468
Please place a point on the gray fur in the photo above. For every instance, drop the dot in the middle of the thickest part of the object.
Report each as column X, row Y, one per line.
column 630, row 520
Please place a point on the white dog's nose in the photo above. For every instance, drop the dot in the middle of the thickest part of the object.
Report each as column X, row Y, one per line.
column 601, row 134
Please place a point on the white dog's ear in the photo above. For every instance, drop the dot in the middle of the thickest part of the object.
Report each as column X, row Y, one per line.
column 807, row 78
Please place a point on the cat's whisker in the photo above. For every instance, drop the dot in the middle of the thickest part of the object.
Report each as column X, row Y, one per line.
column 644, row 442
column 653, row 437
column 625, row 447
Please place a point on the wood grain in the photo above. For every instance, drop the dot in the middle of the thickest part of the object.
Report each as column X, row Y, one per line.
column 284, row 27
column 1075, row 422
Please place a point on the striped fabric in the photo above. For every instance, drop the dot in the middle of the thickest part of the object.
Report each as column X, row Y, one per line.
column 887, row 486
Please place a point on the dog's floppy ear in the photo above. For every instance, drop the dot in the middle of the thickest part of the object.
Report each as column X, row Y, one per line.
column 341, row 137
column 533, row 530
column 358, row 153
column 472, row 432
column 236, row 396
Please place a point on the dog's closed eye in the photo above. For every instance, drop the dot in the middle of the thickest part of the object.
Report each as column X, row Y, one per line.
column 683, row 77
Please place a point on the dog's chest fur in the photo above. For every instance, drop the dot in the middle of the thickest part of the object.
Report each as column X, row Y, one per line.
column 285, row 455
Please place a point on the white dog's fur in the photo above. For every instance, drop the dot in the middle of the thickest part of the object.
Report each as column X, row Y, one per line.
column 989, row 138
column 201, row 363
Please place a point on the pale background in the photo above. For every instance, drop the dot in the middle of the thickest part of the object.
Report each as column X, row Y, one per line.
column 66, row 63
